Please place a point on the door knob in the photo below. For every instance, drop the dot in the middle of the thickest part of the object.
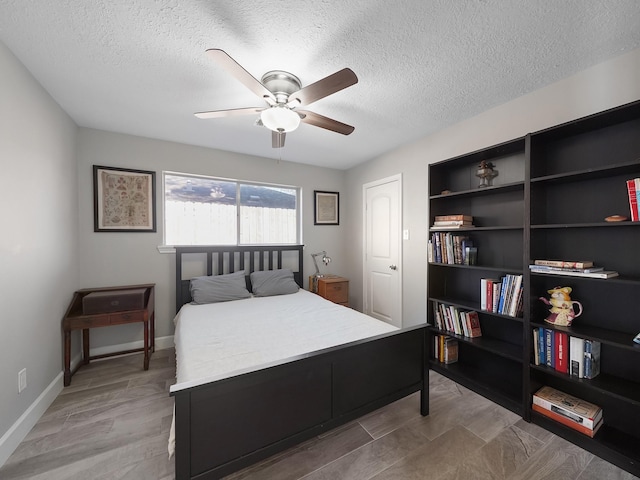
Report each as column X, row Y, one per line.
column 393, row 267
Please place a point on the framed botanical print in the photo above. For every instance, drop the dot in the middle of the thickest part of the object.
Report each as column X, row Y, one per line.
column 326, row 207
column 124, row 200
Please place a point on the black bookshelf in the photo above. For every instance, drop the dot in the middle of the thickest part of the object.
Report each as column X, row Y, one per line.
column 553, row 191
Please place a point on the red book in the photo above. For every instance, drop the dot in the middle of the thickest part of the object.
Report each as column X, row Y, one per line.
column 473, row 323
column 562, row 351
column 566, row 421
column 633, row 199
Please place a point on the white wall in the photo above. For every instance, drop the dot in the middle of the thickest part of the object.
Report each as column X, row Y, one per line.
column 131, row 258
column 598, row 88
column 38, row 245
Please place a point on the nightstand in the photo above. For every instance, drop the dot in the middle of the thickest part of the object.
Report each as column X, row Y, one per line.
column 335, row 289
column 105, row 314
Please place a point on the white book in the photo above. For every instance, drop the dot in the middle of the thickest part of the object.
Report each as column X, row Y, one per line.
column 601, row 274
column 576, row 357
column 483, row 294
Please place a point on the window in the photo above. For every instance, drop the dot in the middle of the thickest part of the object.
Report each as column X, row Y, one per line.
column 211, row 211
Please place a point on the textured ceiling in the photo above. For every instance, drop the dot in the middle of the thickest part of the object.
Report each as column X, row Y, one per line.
column 138, row 66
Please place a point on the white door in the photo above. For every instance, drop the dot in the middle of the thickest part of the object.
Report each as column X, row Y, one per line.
column 382, row 250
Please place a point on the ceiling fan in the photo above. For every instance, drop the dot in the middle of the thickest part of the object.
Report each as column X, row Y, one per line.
column 283, row 93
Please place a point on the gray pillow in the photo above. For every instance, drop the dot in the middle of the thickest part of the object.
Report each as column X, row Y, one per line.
column 273, row 282
column 219, row 288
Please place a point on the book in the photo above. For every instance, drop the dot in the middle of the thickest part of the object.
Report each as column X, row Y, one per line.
column 565, row 263
column 541, row 346
column 633, row 199
column 450, row 218
column 591, row 432
column 547, row 268
column 576, row 357
column 561, row 351
column 549, row 348
column 450, row 227
column 592, row 351
column 580, row 411
column 569, row 273
column 450, row 350
column 536, row 347
column 473, row 323
column 471, row 255
column 443, row 223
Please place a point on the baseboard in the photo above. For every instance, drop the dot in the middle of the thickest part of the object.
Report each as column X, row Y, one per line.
column 10, row 440
column 162, row 343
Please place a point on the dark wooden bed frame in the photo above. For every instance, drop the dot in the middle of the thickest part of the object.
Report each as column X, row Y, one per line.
column 228, row 424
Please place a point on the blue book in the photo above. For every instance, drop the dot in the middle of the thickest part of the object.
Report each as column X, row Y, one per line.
column 549, row 347
column 541, row 346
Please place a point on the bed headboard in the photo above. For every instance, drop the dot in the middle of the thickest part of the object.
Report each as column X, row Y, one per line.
column 219, row 260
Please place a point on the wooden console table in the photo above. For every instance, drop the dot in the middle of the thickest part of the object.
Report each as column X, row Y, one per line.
column 74, row 319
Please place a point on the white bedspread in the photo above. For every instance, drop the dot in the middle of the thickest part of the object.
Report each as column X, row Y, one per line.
column 222, row 339
column 219, row 340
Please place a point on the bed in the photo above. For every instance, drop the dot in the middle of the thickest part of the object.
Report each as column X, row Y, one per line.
column 322, row 364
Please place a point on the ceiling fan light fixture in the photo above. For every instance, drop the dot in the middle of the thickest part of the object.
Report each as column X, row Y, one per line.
column 280, row 119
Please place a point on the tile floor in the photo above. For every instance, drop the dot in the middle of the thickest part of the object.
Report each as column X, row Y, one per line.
column 113, row 423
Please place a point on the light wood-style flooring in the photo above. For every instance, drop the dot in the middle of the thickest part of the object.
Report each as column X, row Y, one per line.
column 113, row 423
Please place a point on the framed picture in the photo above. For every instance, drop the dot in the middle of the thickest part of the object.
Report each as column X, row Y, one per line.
column 124, row 200
column 327, row 208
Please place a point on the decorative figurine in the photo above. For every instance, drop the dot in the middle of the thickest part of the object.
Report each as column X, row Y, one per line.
column 486, row 173
column 562, row 312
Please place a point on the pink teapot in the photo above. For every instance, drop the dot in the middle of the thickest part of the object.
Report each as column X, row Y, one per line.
column 562, row 310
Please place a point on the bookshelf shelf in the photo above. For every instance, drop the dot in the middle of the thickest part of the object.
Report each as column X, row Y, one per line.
column 619, row 447
column 504, row 349
column 503, row 393
column 617, row 387
column 599, row 334
column 510, row 187
column 553, row 191
column 628, row 168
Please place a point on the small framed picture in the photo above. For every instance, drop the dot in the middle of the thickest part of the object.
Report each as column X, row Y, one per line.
column 123, row 200
column 326, row 207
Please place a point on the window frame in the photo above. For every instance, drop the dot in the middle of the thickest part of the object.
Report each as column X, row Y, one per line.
column 239, row 183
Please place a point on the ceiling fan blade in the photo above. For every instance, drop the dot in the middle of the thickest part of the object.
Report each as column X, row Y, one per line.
column 277, row 139
column 324, row 122
column 234, row 112
column 323, row 88
column 234, row 68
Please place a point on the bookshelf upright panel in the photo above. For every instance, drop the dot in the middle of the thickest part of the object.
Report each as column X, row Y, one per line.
column 492, row 364
column 578, row 175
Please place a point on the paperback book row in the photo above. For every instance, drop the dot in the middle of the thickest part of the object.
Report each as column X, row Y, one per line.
column 584, row 268
column 633, row 189
column 573, row 412
column 445, row 349
column 502, row 295
column 460, row 322
column 454, row 249
column 574, row 356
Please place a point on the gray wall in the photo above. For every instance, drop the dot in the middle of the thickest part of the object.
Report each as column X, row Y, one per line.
column 130, row 258
column 598, row 88
column 39, row 240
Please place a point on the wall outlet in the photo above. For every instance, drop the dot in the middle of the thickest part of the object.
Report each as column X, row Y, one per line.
column 22, row 380
column 405, row 234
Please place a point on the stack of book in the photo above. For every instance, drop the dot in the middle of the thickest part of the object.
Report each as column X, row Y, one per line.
column 575, row 356
column 445, row 349
column 450, row 222
column 573, row 412
column 502, row 295
column 449, row 319
column 583, row 268
column 633, row 190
